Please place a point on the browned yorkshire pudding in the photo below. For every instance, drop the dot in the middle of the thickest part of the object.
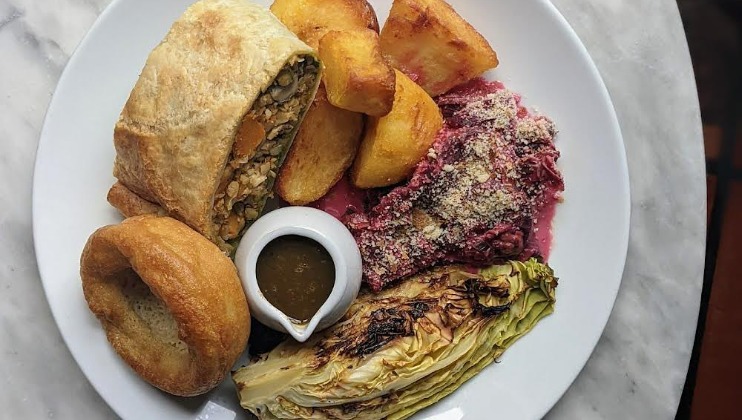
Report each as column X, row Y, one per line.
column 170, row 302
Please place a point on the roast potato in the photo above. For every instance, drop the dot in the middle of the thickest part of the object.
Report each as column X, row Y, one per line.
column 310, row 20
column 393, row 144
column 356, row 76
column 432, row 44
column 323, row 149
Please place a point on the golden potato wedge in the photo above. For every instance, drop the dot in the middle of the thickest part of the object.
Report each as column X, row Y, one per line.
column 393, row 144
column 356, row 76
column 432, row 44
column 310, row 20
column 323, row 149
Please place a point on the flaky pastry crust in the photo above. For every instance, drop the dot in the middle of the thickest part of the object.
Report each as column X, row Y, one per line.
column 176, row 131
column 130, row 204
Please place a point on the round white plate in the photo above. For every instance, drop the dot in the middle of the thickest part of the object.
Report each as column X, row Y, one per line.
column 541, row 57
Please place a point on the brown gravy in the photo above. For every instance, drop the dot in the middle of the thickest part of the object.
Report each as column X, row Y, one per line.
column 296, row 274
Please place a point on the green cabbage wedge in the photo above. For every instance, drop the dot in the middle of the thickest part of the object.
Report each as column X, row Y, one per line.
column 402, row 349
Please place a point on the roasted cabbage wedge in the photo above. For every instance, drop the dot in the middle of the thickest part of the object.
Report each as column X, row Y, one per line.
column 403, row 349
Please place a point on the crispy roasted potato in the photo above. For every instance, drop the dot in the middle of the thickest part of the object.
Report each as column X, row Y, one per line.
column 393, row 144
column 432, row 44
column 356, row 76
column 310, row 20
column 323, row 149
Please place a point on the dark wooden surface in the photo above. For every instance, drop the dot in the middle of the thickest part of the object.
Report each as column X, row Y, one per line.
column 714, row 383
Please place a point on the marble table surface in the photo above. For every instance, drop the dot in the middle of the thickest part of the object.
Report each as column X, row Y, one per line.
column 639, row 366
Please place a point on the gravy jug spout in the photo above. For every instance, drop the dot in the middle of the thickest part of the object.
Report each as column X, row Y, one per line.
column 300, row 332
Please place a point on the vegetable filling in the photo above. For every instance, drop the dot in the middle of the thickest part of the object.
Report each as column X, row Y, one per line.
column 260, row 146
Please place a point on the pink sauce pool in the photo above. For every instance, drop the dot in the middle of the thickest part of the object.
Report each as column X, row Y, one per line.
column 343, row 198
column 541, row 237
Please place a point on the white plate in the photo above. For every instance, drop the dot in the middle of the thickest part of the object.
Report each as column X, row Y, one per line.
column 541, row 58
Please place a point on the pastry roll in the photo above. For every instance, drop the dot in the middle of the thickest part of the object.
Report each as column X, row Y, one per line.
column 211, row 118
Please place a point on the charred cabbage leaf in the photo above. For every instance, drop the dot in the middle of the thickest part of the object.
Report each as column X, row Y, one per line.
column 403, row 349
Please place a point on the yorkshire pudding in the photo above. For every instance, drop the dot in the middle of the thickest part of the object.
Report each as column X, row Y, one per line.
column 170, row 302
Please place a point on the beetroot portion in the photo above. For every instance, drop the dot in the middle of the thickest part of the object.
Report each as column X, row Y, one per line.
column 473, row 198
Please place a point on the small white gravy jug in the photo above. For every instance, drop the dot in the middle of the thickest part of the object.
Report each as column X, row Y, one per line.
column 321, row 227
